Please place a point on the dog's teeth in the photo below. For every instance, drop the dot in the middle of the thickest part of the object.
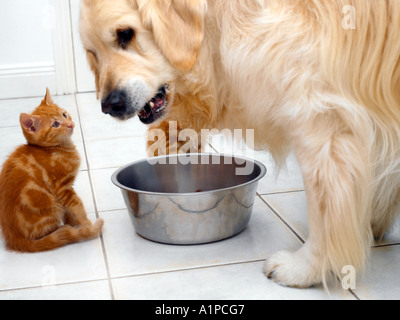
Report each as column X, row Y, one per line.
column 160, row 109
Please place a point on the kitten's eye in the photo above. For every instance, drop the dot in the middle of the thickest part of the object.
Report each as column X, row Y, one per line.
column 125, row 37
column 56, row 124
column 65, row 115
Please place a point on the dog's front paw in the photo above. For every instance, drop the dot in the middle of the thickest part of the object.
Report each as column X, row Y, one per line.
column 292, row 270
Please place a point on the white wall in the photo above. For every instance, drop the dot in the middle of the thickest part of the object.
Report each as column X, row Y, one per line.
column 25, row 32
column 26, row 55
column 40, row 47
column 84, row 77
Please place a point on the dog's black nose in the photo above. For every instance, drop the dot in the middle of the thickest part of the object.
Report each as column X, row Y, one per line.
column 115, row 103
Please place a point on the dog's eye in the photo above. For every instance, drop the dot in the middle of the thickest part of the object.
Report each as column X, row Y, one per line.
column 125, row 37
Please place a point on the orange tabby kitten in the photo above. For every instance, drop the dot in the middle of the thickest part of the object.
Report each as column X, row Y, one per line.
column 39, row 209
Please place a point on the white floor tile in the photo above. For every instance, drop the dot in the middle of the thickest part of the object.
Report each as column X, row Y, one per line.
column 141, row 269
column 232, row 282
column 392, row 236
column 130, row 254
column 287, row 179
column 68, row 103
column 381, row 281
column 11, row 110
column 84, row 191
column 97, row 125
column 74, row 263
column 291, row 207
column 81, row 149
column 107, row 195
column 115, row 153
column 10, row 139
column 95, row 290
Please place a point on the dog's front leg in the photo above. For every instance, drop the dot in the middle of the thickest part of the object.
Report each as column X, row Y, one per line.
column 168, row 137
column 181, row 131
column 162, row 139
column 338, row 180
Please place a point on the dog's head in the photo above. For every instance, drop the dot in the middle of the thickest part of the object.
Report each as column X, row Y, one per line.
column 136, row 49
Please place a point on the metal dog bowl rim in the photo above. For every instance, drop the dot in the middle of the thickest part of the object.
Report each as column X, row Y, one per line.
column 262, row 174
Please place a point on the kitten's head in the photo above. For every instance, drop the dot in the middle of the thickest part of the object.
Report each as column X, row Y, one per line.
column 48, row 125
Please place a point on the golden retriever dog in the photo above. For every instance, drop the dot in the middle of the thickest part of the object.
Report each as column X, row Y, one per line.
column 321, row 78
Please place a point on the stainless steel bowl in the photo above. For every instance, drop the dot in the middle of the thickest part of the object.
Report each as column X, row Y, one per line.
column 190, row 199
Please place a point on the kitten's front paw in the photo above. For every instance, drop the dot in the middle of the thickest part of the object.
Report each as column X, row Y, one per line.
column 291, row 270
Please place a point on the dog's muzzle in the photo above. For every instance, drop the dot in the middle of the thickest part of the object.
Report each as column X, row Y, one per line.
column 115, row 104
column 123, row 105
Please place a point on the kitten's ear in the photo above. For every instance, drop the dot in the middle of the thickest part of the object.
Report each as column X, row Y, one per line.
column 47, row 99
column 30, row 123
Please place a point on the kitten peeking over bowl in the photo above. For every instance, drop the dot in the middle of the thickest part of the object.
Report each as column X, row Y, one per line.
column 39, row 209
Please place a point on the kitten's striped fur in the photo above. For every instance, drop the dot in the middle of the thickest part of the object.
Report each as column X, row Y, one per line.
column 39, row 209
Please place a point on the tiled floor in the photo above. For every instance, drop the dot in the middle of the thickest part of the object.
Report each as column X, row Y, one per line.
column 122, row 265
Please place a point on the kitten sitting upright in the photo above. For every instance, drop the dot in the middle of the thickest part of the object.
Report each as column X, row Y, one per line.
column 39, row 209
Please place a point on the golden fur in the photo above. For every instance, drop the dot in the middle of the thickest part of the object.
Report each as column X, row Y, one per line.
column 289, row 70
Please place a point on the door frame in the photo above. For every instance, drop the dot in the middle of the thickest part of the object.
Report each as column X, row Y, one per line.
column 63, row 47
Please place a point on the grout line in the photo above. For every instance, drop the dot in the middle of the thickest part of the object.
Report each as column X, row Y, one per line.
column 281, row 192
column 109, row 278
column 297, row 235
column 133, row 136
column 113, row 210
column 354, row 294
column 189, row 269
column 41, row 97
column 385, row 245
column 23, row 98
column 16, row 126
column 85, row 151
column 73, row 45
column 280, row 218
column 94, row 203
column 135, row 275
column 273, row 210
column 115, row 167
column 53, row 285
column 212, row 147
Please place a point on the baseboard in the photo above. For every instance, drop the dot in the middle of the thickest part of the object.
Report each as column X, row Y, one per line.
column 28, row 80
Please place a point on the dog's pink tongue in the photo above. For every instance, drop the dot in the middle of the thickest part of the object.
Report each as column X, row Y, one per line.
column 158, row 103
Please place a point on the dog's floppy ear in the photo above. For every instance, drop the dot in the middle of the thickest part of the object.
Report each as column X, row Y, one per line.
column 94, row 66
column 178, row 28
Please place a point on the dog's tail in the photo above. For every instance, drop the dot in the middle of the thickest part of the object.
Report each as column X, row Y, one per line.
column 63, row 236
column 360, row 55
column 360, row 61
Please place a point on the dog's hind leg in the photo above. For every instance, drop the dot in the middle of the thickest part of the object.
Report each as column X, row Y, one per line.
column 386, row 200
column 386, row 207
column 338, row 181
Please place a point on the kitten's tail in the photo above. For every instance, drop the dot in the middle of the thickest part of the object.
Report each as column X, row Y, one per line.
column 63, row 236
